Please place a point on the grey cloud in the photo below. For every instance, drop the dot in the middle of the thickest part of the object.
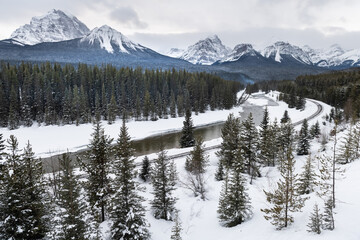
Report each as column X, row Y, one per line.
column 128, row 17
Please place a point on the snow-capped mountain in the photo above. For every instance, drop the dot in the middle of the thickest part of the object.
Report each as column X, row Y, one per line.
column 325, row 57
column 206, row 51
column 239, row 51
column 281, row 50
column 175, row 52
column 111, row 40
column 55, row 26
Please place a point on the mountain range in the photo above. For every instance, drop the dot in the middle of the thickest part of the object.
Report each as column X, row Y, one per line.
column 61, row 37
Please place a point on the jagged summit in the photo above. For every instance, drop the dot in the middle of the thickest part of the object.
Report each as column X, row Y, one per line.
column 280, row 49
column 109, row 38
column 55, row 26
column 206, row 51
column 240, row 50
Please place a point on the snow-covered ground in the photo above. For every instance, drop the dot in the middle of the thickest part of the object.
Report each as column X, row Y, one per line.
column 199, row 218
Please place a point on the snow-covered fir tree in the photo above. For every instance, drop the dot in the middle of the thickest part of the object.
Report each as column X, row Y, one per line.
column 23, row 214
column 187, row 135
column 356, row 139
column 273, row 138
column 303, row 143
column 315, row 130
column 315, row 220
column 307, row 179
column 285, row 118
column 176, row 229
column 249, row 145
column 97, row 165
column 347, row 150
column 163, row 178
column 230, row 135
column 285, row 141
column 328, row 221
column 71, row 205
column 145, row 169
column 195, row 165
column 284, row 199
column 127, row 213
column 265, row 141
column 197, row 160
column 234, row 204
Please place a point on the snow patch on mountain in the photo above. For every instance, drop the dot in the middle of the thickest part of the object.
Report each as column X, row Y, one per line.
column 55, row 26
column 206, row 51
column 108, row 38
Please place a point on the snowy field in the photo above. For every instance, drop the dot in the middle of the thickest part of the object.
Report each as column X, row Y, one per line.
column 199, row 218
column 53, row 140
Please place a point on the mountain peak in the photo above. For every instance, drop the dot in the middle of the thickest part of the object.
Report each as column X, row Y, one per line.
column 109, row 38
column 206, row 51
column 281, row 48
column 239, row 51
column 55, row 26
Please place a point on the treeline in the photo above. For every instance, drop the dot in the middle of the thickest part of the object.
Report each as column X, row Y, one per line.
column 52, row 94
column 340, row 89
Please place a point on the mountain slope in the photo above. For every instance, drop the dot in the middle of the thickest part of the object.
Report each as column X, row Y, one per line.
column 55, row 26
column 206, row 52
column 281, row 51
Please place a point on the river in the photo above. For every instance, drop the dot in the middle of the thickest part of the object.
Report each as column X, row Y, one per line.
column 171, row 140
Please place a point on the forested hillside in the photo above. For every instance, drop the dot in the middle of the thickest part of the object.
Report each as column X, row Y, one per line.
column 52, row 94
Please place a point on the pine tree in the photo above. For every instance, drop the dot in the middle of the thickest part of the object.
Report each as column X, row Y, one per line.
column 197, row 160
column 285, row 117
column 356, row 140
column 172, row 105
column 97, row 166
column 230, row 135
column 284, row 199
column 180, row 105
column 127, row 212
column 70, row 202
column 315, row 221
column 163, row 178
column 2, row 148
column 22, row 195
column 195, row 165
column 274, row 134
column 265, row 143
column 307, row 179
column 187, row 135
column 13, row 109
column 347, row 148
column 145, row 169
column 315, row 130
column 112, row 110
column 249, row 145
column 234, row 204
column 176, row 229
column 303, row 144
column 328, row 216
column 285, row 140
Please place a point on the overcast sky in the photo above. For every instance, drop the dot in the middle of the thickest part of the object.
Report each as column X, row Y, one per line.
column 162, row 24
